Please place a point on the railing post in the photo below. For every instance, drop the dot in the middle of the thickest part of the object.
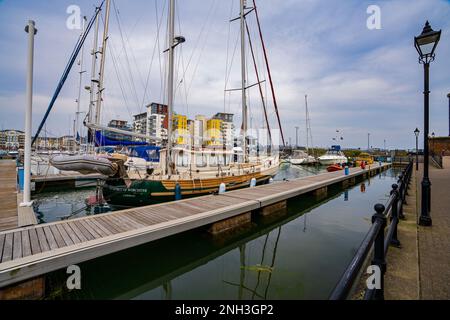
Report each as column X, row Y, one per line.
column 401, row 183
column 378, row 258
column 394, row 217
column 406, row 180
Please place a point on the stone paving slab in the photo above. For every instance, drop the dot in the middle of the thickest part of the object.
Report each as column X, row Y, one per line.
column 434, row 242
column 402, row 276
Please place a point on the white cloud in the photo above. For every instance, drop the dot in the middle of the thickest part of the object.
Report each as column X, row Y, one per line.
column 357, row 80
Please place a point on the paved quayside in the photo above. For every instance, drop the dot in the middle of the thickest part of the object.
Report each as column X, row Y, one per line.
column 420, row 268
column 32, row 251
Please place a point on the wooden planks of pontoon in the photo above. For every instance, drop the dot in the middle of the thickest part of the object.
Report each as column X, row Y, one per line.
column 36, row 250
column 8, row 195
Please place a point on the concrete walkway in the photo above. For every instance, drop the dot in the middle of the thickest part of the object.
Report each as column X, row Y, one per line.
column 420, row 269
column 434, row 242
column 402, row 276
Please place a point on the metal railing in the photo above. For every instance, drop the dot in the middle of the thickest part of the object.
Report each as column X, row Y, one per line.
column 405, row 160
column 379, row 239
column 437, row 159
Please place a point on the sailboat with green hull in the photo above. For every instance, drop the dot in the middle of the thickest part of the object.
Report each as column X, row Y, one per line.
column 188, row 171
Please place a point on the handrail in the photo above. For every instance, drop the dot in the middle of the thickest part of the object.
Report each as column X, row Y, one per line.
column 437, row 160
column 377, row 239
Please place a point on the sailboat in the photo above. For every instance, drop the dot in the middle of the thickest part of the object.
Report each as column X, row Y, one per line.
column 300, row 157
column 189, row 171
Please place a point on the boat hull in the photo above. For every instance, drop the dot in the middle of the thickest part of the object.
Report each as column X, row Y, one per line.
column 297, row 161
column 144, row 192
column 328, row 162
column 334, row 168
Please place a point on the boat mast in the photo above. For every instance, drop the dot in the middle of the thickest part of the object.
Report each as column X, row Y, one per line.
column 100, row 87
column 93, row 72
column 94, row 81
column 243, row 70
column 266, row 59
column 77, row 114
column 306, row 120
column 170, row 86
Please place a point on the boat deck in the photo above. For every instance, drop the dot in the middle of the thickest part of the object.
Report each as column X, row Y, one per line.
column 32, row 251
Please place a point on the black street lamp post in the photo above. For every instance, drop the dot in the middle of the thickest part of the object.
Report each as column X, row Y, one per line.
column 416, row 133
column 425, row 45
column 448, row 96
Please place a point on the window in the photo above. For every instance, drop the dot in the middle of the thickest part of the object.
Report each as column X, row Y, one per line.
column 200, row 160
column 213, row 160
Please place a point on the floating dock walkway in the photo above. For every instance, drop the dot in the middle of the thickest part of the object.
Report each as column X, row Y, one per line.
column 8, row 198
column 32, row 251
column 65, row 180
column 12, row 215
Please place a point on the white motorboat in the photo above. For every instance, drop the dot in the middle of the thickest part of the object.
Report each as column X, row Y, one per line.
column 333, row 156
column 301, row 157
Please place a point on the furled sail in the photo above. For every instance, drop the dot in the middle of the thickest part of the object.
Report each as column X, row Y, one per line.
column 102, row 140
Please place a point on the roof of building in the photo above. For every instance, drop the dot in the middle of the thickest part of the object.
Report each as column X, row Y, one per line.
column 9, row 130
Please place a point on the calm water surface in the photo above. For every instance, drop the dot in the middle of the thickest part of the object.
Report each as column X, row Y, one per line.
column 299, row 255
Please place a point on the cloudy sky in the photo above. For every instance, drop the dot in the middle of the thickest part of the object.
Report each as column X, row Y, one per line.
column 358, row 81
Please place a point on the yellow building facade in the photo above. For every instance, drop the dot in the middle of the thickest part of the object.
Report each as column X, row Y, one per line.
column 180, row 128
column 214, row 133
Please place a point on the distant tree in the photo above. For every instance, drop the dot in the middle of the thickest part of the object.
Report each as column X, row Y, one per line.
column 352, row 153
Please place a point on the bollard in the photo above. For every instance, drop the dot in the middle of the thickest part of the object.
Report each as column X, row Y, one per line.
column 394, row 218
column 378, row 256
column 253, row 183
column 177, row 191
column 346, row 171
column 222, row 188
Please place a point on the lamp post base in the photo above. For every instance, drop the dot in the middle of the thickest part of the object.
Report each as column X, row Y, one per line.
column 425, row 221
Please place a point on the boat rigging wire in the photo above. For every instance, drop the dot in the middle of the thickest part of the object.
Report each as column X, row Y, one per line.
column 124, row 96
column 210, row 14
column 228, row 53
column 268, row 71
column 73, row 57
column 127, row 60
column 155, row 47
column 116, row 69
column 199, row 37
column 259, row 81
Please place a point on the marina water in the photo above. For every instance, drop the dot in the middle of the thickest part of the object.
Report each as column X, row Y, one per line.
column 298, row 255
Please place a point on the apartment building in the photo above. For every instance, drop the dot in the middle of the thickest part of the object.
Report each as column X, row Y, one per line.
column 12, row 139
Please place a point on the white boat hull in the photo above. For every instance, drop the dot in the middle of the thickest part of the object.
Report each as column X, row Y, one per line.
column 297, row 161
column 330, row 161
